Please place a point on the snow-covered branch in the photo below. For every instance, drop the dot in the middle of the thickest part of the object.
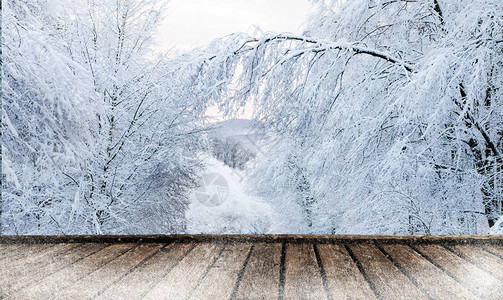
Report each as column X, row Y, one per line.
column 321, row 46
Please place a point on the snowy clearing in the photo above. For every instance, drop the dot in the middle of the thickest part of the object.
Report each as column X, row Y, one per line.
column 239, row 211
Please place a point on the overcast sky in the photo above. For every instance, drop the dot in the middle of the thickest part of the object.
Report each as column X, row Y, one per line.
column 192, row 23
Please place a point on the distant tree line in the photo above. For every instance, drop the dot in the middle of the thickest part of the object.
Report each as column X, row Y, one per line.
column 231, row 152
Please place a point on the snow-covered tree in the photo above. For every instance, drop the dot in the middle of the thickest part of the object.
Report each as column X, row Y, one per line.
column 390, row 114
column 101, row 135
column 386, row 117
column 48, row 113
column 231, row 152
column 147, row 155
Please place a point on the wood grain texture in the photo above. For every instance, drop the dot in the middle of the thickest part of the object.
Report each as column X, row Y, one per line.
column 344, row 279
column 231, row 269
column 7, row 250
column 261, row 276
column 137, row 283
column 223, row 275
column 437, row 283
column 29, row 252
column 15, row 274
column 90, row 285
column 183, row 278
column 481, row 258
column 493, row 249
column 60, row 280
column 53, row 263
column 33, row 259
column 302, row 274
column 57, row 263
column 390, row 282
column 478, row 281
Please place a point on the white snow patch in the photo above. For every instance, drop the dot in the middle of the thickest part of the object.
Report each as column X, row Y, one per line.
column 240, row 212
column 497, row 227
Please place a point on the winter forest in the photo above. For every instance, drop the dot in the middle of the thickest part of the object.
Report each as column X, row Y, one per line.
column 381, row 117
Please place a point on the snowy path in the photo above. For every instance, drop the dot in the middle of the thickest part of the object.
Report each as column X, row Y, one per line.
column 223, row 204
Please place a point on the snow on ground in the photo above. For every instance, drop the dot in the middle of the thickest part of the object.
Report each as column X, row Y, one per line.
column 497, row 227
column 222, row 204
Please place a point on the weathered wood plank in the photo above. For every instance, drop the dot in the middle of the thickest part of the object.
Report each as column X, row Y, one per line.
column 302, row 274
column 472, row 277
column 29, row 252
column 389, row 281
column 486, row 260
column 494, row 249
column 261, row 276
column 92, row 284
column 15, row 276
column 227, row 267
column 7, row 250
column 257, row 238
column 32, row 261
column 56, row 282
column 344, row 279
column 223, row 275
column 139, row 281
column 53, row 264
column 181, row 280
column 437, row 283
column 28, row 263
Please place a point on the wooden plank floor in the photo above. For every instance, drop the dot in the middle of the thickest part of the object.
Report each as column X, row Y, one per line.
column 251, row 267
